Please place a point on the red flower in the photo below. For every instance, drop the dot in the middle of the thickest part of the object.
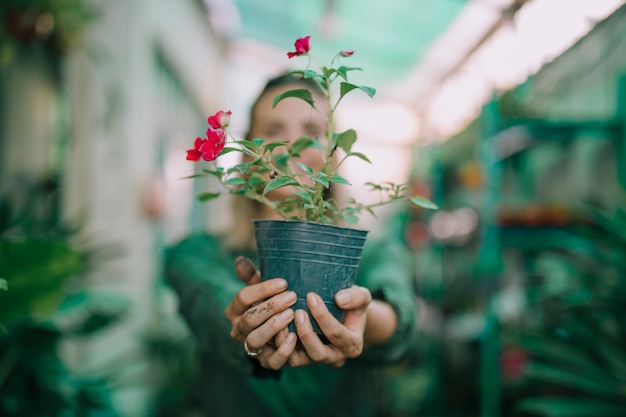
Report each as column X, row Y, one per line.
column 213, row 145
column 346, row 54
column 302, row 47
column 220, row 120
column 209, row 148
column 195, row 154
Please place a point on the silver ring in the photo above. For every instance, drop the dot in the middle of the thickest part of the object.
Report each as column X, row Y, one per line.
column 250, row 353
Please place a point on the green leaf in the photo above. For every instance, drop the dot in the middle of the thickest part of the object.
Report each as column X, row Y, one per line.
column 206, row 196
column 229, row 149
column 279, row 182
column 256, row 179
column 189, row 177
column 3, row 284
column 565, row 378
column 345, row 88
column 305, row 196
column 241, row 168
column 302, row 94
column 339, row 180
column 215, row 172
column 250, row 144
column 572, row 407
column 269, row 147
column 299, row 145
column 313, row 74
column 282, row 160
column 423, row 202
column 346, row 139
column 36, row 272
column 343, row 71
column 306, row 168
column 359, row 155
column 235, row 181
column 370, row 91
column 323, row 179
column 375, row 187
column 350, row 218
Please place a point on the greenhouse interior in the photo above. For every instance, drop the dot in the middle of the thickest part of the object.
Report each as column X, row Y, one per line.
column 504, row 121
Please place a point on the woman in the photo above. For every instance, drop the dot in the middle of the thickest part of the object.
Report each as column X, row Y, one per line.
column 251, row 365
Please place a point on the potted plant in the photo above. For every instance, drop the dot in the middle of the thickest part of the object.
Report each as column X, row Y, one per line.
column 307, row 246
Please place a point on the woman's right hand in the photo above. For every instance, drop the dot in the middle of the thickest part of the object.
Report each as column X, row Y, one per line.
column 259, row 312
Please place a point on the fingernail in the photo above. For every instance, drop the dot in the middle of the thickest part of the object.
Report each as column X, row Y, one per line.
column 245, row 265
column 289, row 297
column 291, row 338
column 312, row 299
column 343, row 298
column 280, row 284
column 300, row 316
column 287, row 314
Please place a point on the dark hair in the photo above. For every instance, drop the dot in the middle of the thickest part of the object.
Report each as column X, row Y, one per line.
column 280, row 81
column 290, row 78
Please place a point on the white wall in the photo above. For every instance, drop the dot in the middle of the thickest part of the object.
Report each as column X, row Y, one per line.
column 117, row 104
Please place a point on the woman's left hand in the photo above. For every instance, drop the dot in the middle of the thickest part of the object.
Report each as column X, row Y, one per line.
column 344, row 340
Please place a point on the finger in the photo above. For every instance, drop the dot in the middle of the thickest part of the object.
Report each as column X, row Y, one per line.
column 271, row 316
column 261, row 335
column 347, row 341
column 353, row 298
column 253, row 294
column 280, row 356
column 354, row 301
column 315, row 349
column 280, row 336
column 246, row 271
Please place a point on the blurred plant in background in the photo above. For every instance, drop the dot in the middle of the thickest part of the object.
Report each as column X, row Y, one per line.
column 44, row 29
column 46, row 302
column 573, row 334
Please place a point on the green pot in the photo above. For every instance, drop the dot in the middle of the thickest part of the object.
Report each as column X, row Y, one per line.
column 312, row 257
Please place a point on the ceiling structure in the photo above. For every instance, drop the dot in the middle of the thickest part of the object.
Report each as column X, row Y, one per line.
column 440, row 58
column 389, row 37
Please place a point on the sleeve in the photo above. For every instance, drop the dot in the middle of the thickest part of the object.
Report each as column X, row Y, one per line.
column 386, row 270
column 202, row 275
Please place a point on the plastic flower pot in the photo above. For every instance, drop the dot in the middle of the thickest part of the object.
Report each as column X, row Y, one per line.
column 312, row 257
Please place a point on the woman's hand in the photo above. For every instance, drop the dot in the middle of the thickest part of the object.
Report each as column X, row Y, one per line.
column 259, row 314
column 344, row 340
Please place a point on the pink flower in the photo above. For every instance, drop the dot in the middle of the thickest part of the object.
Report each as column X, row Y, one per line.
column 346, row 54
column 302, row 47
column 195, row 154
column 213, row 145
column 220, row 120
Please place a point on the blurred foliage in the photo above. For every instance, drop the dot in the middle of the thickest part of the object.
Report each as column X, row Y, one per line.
column 574, row 332
column 43, row 29
column 44, row 302
column 36, row 314
column 36, row 271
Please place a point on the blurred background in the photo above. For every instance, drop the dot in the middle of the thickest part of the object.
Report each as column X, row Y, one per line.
column 509, row 114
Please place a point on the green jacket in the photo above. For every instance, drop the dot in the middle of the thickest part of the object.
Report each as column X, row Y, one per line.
column 229, row 383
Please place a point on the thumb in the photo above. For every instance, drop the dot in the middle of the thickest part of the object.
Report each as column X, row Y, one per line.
column 246, row 271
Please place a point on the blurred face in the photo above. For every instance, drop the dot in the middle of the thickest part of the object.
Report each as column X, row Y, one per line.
column 291, row 119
